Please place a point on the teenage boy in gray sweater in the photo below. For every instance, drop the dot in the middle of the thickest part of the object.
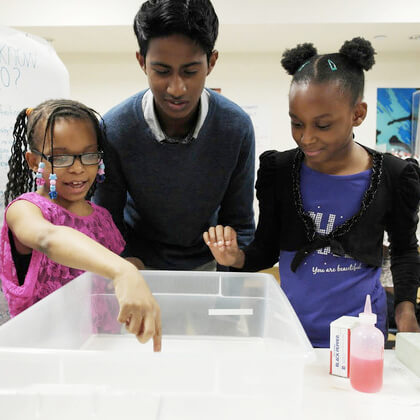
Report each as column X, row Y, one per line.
column 180, row 157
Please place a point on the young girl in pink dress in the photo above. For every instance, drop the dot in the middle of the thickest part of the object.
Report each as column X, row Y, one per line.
column 51, row 236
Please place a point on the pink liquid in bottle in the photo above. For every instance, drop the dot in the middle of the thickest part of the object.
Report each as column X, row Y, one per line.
column 366, row 353
column 366, row 375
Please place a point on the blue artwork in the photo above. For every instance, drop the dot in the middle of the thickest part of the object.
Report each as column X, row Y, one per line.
column 415, row 128
column 393, row 123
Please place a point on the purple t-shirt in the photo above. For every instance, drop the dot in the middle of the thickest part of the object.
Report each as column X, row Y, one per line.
column 325, row 286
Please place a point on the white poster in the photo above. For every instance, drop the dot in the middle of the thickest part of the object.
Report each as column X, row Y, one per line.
column 30, row 72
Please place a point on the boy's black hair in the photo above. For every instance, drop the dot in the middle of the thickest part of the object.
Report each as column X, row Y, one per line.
column 195, row 19
column 27, row 136
column 346, row 66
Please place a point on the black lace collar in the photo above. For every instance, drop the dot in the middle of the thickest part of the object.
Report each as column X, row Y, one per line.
column 368, row 197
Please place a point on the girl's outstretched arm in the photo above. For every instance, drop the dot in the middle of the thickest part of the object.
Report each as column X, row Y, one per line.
column 69, row 247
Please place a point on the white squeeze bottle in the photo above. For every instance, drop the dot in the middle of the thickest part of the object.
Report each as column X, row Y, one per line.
column 367, row 353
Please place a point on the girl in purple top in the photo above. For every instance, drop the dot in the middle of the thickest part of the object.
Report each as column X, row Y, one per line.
column 325, row 205
column 54, row 234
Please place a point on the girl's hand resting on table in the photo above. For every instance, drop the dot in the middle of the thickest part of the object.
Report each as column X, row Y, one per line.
column 223, row 245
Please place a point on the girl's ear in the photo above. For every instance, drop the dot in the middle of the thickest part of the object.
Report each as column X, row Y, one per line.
column 32, row 159
column 360, row 112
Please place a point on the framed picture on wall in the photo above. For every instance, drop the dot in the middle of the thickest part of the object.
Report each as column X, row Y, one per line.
column 394, row 120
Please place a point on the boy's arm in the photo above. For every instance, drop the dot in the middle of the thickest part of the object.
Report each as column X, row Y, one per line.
column 69, row 247
column 236, row 209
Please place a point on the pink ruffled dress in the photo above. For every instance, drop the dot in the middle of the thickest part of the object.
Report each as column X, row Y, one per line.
column 44, row 276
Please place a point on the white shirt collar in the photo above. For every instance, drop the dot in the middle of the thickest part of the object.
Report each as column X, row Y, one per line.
column 152, row 121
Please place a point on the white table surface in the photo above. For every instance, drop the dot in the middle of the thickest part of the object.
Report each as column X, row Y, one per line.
column 331, row 397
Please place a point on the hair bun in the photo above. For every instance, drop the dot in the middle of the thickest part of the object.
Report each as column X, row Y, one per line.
column 360, row 51
column 294, row 58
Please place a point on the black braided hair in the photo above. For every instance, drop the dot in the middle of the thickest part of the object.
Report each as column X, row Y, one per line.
column 27, row 134
column 346, row 66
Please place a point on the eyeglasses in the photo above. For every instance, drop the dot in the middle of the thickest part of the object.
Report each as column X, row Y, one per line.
column 64, row 161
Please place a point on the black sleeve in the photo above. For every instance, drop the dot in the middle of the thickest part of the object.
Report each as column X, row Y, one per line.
column 405, row 262
column 263, row 252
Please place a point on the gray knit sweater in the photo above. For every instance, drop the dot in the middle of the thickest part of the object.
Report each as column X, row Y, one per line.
column 164, row 196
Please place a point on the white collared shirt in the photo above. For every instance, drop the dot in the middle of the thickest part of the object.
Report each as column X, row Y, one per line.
column 152, row 121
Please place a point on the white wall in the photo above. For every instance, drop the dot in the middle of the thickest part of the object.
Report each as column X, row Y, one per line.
column 103, row 80
column 113, row 12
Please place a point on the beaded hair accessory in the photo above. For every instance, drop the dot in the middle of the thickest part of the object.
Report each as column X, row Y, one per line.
column 53, row 181
column 100, row 177
column 39, row 177
column 40, row 181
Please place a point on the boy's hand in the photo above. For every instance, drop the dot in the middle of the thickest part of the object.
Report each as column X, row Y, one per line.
column 223, row 245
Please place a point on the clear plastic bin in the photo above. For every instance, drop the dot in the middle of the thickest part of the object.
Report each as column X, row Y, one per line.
column 232, row 348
